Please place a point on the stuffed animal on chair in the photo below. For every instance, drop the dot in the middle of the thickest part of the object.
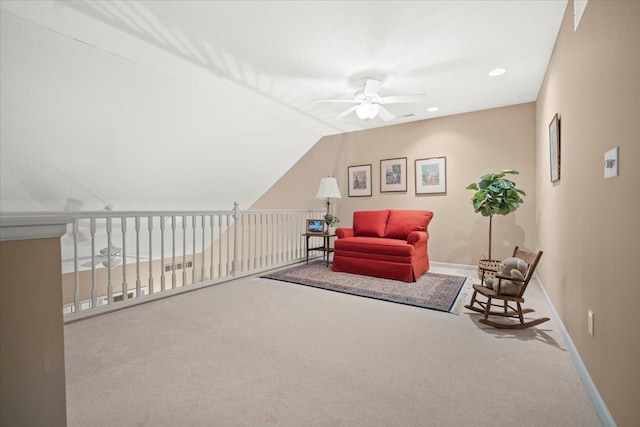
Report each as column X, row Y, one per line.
column 510, row 267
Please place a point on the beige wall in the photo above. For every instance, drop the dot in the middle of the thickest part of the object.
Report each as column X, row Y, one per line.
column 588, row 226
column 473, row 143
column 32, row 381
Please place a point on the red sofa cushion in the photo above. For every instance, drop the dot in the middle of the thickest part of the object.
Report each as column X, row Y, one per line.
column 370, row 223
column 402, row 222
column 375, row 245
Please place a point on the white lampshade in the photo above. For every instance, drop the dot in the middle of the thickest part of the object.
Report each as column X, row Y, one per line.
column 328, row 189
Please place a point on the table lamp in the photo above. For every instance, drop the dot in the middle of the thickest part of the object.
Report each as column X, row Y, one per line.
column 328, row 190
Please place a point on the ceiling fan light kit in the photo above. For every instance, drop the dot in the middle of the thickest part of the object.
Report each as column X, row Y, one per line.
column 367, row 110
column 369, row 102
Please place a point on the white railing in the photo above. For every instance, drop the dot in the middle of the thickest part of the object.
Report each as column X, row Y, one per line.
column 114, row 259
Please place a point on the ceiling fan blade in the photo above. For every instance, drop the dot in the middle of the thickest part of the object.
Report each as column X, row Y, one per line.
column 348, row 101
column 79, row 258
column 402, row 99
column 133, row 256
column 346, row 112
column 371, row 87
column 97, row 260
column 385, row 114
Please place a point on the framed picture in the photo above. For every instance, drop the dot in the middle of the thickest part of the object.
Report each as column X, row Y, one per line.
column 393, row 175
column 359, row 181
column 315, row 226
column 431, row 175
column 554, row 148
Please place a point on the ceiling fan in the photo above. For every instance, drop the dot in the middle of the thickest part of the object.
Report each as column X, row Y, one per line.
column 369, row 103
column 103, row 258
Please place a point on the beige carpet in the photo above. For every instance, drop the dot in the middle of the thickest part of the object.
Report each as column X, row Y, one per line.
column 257, row 352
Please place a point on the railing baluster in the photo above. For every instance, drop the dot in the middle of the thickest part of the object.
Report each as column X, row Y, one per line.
column 236, row 261
column 278, row 238
column 211, row 245
column 162, row 278
column 260, row 217
column 228, row 245
column 274, row 255
column 285, row 236
column 255, row 241
column 193, row 253
column 94, row 293
column 269, row 241
column 184, row 250
column 220, row 246
column 240, row 241
column 109, row 251
column 125, row 288
column 204, row 224
column 242, row 245
column 76, row 273
column 173, row 243
column 292, row 237
column 274, row 238
column 150, row 226
column 282, row 238
column 138, row 282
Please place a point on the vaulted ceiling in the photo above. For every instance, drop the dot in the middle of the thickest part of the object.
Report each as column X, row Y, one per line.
column 195, row 105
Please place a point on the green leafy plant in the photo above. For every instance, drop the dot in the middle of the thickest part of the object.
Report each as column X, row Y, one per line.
column 496, row 195
column 331, row 220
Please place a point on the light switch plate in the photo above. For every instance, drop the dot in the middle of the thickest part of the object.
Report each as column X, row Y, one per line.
column 611, row 163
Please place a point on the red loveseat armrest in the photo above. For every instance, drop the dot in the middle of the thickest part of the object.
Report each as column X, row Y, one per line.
column 416, row 237
column 344, row 232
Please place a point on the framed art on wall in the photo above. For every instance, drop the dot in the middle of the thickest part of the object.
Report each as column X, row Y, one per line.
column 359, row 180
column 554, row 148
column 431, row 175
column 393, row 175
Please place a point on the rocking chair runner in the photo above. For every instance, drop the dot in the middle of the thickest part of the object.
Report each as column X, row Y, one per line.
column 507, row 310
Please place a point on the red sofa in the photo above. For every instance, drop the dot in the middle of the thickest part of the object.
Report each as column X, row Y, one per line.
column 391, row 244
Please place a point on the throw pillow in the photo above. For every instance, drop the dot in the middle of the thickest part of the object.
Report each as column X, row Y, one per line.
column 403, row 222
column 370, row 223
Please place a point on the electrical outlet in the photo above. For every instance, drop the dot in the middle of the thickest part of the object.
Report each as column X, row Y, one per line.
column 590, row 324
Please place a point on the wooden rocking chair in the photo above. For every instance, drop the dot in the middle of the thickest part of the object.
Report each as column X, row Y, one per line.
column 507, row 310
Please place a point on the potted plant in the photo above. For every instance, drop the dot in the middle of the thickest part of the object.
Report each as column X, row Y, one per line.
column 496, row 195
column 331, row 220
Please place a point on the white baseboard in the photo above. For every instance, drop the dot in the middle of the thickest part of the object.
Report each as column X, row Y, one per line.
column 473, row 268
column 592, row 391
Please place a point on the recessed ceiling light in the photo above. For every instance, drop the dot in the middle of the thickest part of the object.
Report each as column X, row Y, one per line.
column 433, row 109
column 497, row 72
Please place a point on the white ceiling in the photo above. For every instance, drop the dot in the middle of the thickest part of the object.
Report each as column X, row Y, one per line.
column 235, row 83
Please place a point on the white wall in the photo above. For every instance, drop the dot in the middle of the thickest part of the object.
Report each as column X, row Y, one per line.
column 111, row 119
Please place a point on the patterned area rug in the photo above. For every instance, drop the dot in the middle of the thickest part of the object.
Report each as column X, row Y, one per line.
column 432, row 291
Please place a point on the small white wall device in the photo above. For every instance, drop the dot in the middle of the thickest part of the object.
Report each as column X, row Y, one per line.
column 611, row 163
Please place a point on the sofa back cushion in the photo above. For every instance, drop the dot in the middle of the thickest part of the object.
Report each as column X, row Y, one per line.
column 403, row 222
column 370, row 223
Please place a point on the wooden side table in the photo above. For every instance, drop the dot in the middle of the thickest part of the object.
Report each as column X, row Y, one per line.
column 326, row 244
